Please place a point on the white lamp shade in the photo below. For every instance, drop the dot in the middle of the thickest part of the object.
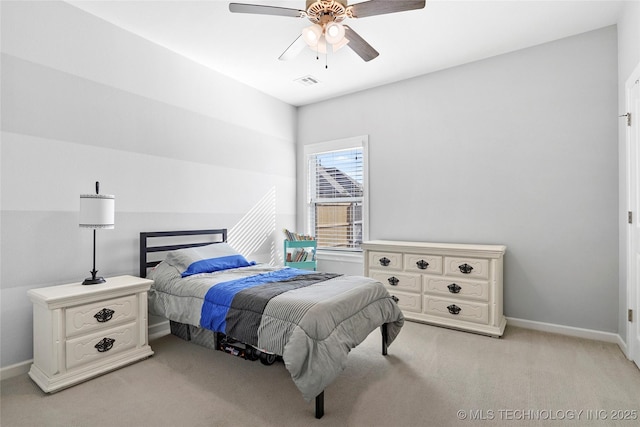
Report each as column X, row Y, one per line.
column 97, row 211
column 340, row 44
column 311, row 34
column 321, row 47
column 334, row 32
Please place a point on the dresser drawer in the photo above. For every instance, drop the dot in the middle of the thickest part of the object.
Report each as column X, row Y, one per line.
column 100, row 345
column 429, row 264
column 467, row 267
column 386, row 260
column 408, row 302
column 401, row 281
column 457, row 288
column 100, row 315
column 455, row 309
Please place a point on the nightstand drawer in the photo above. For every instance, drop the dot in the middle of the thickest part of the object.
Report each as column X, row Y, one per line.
column 401, row 281
column 460, row 310
column 100, row 345
column 428, row 264
column 100, row 315
column 467, row 267
column 457, row 288
column 386, row 260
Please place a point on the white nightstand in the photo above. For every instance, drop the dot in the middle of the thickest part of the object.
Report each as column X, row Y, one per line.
column 80, row 332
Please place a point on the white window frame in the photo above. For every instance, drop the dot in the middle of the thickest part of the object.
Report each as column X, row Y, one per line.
column 361, row 141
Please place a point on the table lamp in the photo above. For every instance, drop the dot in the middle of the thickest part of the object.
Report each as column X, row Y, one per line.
column 96, row 211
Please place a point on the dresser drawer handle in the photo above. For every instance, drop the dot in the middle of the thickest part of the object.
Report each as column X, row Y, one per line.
column 454, row 288
column 465, row 268
column 454, row 309
column 395, row 298
column 105, row 344
column 104, row 315
column 422, row 264
column 393, row 281
column 384, row 261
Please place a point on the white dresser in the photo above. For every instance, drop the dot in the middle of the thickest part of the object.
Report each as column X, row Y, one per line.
column 454, row 285
column 80, row 332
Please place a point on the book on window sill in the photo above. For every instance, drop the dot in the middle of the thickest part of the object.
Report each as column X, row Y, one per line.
column 291, row 236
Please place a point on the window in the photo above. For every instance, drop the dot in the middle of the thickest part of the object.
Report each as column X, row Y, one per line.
column 336, row 193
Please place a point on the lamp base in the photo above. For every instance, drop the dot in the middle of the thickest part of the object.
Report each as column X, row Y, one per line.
column 93, row 280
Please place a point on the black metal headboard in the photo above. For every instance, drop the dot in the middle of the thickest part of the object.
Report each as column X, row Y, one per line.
column 146, row 249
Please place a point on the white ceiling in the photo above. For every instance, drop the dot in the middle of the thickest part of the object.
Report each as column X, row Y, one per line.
column 444, row 34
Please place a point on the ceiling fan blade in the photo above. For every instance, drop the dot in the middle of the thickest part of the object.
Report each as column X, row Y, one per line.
column 294, row 49
column 265, row 10
column 359, row 45
column 373, row 7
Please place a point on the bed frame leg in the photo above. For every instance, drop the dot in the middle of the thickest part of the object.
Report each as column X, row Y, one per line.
column 320, row 405
column 385, row 339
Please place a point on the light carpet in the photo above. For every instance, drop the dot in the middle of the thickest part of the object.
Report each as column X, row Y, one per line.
column 431, row 377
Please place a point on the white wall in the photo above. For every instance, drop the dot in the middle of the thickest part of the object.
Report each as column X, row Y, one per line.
column 519, row 149
column 179, row 145
column 628, row 59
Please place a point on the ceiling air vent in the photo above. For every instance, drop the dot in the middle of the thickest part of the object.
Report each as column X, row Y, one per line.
column 307, row 80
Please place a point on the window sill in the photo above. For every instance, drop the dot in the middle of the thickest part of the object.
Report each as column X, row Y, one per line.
column 352, row 257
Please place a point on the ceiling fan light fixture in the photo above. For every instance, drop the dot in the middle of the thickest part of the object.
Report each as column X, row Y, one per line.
column 321, row 47
column 312, row 34
column 342, row 43
column 326, row 17
column 334, row 32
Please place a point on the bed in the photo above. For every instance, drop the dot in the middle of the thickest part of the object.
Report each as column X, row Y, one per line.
column 215, row 297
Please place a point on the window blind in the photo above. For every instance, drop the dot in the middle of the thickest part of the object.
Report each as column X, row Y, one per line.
column 336, row 189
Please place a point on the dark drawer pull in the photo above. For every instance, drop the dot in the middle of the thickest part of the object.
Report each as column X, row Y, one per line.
column 384, row 261
column 104, row 315
column 393, row 281
column 395, row 298
column 454, row 309
column 422, row 264
column 105, row 344
column 454, row 288
column 465, row 268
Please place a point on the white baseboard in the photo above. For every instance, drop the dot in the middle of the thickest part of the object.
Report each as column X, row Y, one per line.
column 159, row 330
column 162, row 328
column 155, row 331
column 566, row 330
column 15, row 370
column 623, row 347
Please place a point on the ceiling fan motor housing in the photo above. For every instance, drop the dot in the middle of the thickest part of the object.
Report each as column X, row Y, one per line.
column 326, row 10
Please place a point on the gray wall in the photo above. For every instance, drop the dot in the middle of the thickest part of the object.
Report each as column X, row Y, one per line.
column 519, row 149
column 179, row 146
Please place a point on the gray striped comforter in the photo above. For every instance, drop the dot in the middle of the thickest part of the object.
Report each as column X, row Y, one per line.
column 312, row 327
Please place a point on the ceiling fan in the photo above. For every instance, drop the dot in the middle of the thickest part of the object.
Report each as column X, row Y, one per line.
column 326, row 17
